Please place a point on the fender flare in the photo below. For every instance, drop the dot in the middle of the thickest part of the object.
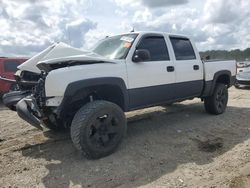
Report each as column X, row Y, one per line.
column 217, row 75
column 80, row 87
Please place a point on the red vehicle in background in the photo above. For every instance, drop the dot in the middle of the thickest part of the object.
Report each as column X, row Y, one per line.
column 8, row 67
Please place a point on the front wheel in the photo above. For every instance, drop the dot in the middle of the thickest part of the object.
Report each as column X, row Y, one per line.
column 98, row 128
column 217, row 103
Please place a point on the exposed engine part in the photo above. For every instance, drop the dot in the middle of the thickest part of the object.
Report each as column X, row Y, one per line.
column 26, row 80
column 39, row 91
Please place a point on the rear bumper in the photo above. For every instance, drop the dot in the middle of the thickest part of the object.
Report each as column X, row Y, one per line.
column 26, row 109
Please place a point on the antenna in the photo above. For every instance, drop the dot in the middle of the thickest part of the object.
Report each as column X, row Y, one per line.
column 133, row 30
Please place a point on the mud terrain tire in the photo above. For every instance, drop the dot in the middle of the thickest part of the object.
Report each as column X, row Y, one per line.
column 217, row 103
column 98, row 128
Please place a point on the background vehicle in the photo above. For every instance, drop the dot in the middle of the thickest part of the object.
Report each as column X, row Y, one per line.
column 90, row 91
column 243, row 77
column 242, row 65
column 8, row 67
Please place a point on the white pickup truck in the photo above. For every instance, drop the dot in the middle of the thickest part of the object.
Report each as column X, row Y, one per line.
column 88, row 92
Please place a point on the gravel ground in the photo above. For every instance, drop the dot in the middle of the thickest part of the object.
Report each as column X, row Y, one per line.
column 166, row 146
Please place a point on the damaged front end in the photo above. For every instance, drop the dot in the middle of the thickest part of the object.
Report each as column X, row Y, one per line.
column 29, row 103
column 30, row 100
column 25, row 82
column 30, row 107
column 28, row 110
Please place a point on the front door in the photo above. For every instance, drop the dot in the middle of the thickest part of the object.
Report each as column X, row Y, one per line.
column 150, row 82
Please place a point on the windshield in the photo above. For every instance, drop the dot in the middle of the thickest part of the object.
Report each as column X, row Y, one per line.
column 116, row 47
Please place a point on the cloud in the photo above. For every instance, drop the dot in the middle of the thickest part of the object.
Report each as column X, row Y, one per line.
column 77, row 29
column 23, row 50
column 126, row 3
column 93, row 36
column 227, row 19
column 227, row 22
column 220, row 25
column 222, row 11
column 150, row 3
column 27, row 27
column 161, row 3
column 35, row 15
column 142, row 16
column 173, row 21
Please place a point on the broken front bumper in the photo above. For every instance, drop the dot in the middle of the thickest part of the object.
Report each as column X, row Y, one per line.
column 28, row 110
column 12, row 98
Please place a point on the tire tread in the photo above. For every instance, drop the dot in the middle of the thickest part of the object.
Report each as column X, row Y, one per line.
column 80, row 119
column 209, row 102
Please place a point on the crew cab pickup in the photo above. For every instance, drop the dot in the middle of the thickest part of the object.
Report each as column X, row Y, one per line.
column 89, row 91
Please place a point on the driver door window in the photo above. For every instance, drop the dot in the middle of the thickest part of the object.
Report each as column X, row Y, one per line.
column 156, row 47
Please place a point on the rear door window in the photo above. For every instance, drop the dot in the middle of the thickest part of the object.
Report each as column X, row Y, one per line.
column 183, row 48
column 11, row 66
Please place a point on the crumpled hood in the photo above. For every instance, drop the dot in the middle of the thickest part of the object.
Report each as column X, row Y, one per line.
column 57, row 53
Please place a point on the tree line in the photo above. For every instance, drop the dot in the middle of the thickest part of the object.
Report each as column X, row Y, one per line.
column 238, row 55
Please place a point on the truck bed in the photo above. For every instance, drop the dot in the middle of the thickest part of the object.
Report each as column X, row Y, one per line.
column 213, row 66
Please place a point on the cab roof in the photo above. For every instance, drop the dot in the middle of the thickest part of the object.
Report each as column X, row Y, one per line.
column 155, row 32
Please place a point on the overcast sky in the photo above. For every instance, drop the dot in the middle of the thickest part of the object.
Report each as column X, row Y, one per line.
column 29, row 26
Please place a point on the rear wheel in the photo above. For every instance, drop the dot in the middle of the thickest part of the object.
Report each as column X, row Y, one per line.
column 217, row 103
column 98, row 128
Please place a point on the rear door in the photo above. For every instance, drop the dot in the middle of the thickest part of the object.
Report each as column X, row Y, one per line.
column 150, row 82
column 188, row 66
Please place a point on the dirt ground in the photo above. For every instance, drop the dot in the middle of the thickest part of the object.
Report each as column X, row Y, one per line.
column 167, row 146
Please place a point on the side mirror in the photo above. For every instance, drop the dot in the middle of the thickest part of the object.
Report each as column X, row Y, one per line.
column 141, row 55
